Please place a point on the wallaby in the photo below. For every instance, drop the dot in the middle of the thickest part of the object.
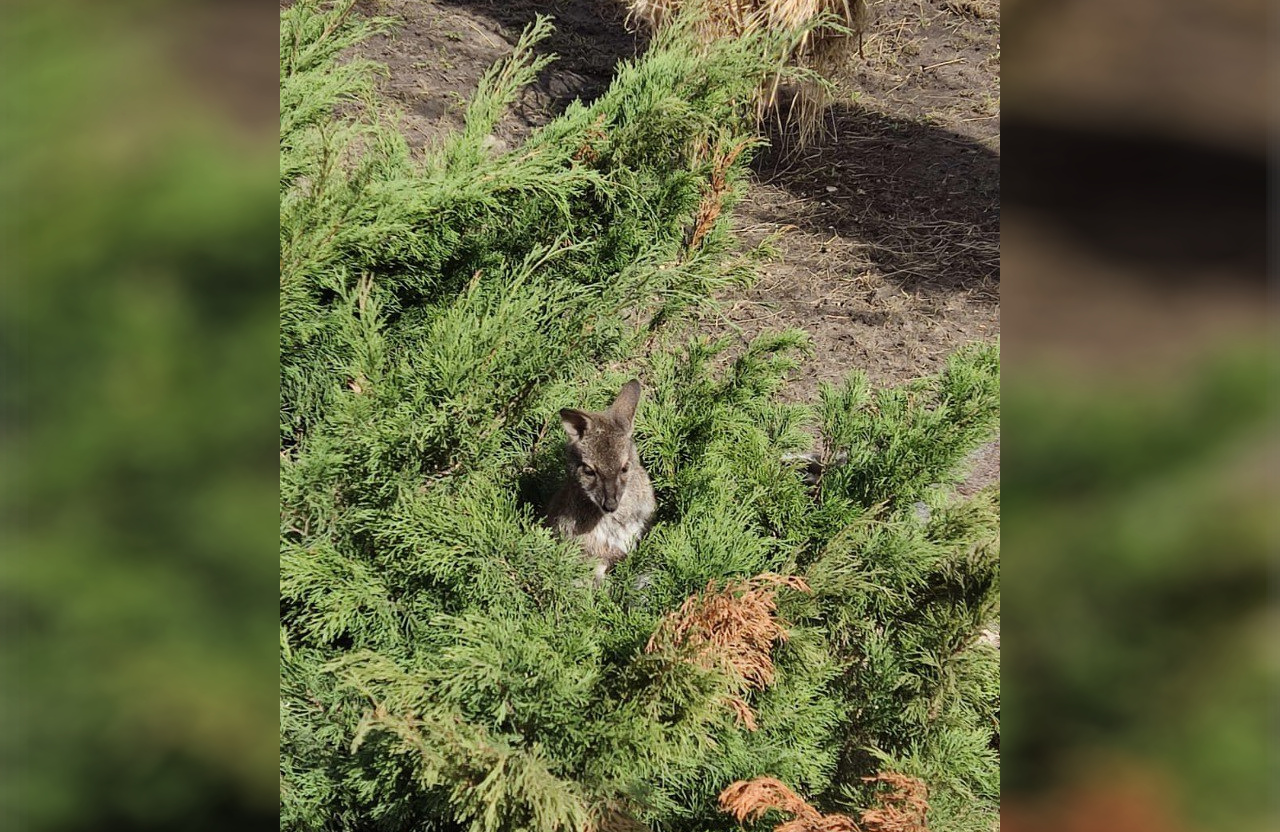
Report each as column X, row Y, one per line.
column 607, row 502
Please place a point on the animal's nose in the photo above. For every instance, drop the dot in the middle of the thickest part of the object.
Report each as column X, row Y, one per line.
column 610, row 504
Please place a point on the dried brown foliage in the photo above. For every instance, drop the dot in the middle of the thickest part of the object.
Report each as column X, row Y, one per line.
column 738, row 623
column 594, row 135
column 713, row 200
column 742, row 712
column 731, row 628
column 902, row 809
column 751, row 799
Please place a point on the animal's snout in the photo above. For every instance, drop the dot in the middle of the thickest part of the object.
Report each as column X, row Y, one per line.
column 610, row 504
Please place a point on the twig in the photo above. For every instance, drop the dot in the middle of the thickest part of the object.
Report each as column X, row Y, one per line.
column 482, row 32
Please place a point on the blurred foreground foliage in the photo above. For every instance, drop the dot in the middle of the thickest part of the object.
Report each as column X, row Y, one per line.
column 1141, row 625
column 136, row 478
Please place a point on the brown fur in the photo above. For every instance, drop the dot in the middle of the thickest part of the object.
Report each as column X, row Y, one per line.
column 607, row 502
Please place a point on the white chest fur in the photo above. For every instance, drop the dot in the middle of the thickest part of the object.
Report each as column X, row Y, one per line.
column 614, row 532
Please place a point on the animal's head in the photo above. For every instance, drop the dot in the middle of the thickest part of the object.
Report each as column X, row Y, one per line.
column 600, row 449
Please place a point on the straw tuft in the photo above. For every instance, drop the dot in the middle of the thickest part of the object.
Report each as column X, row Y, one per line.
column 822, row 37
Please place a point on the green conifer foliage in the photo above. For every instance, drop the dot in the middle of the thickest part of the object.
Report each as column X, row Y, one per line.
column 445, row 661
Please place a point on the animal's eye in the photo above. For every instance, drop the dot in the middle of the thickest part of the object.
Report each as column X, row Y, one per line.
column 626, row 467
column 588, row 471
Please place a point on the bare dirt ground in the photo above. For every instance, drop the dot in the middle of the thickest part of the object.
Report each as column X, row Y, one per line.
column 890, row 228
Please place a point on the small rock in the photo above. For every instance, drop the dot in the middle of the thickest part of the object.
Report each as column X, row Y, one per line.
column 494, row 145
column 831, row 189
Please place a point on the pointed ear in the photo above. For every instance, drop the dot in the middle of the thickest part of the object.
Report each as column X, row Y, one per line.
column 624, row 407
column 576, row 423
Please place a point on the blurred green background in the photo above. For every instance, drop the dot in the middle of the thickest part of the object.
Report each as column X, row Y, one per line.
column 138, row 588
column 1140, row 528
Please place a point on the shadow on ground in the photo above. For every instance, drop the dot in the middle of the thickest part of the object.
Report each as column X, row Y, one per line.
column 924, row 200
column 590, row 37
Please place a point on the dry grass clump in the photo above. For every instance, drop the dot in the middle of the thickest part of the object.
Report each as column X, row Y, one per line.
column 823, row 36
column 902, row 810
column 731, row 628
